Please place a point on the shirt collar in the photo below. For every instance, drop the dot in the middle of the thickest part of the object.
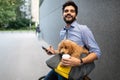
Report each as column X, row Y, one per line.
column 74, row 23
column 71, row 26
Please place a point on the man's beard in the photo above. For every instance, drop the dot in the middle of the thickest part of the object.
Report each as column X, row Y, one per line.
column 69, row 21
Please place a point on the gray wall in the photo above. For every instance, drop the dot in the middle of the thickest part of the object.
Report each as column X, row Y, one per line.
column 102, row 17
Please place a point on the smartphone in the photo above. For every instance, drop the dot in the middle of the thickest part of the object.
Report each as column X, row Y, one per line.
column 48, row 52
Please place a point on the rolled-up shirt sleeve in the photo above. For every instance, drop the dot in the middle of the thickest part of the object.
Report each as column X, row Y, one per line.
column 90, row 42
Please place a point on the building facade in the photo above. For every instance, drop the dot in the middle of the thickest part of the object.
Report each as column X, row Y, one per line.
column 102, row 17
column 30, row 10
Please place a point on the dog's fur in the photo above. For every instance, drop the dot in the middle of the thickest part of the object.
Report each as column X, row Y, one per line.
column 71, row 48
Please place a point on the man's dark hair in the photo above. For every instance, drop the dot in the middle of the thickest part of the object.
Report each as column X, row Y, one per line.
column 70, row 3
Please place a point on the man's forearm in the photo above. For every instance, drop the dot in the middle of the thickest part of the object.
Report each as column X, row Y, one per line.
column 90, row 58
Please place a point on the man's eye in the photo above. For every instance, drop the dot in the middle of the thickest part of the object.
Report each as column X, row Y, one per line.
column 66, row 11
column 72, row 11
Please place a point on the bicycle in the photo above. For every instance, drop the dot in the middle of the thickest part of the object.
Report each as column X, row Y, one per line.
column 42, row 78
column 85, row 78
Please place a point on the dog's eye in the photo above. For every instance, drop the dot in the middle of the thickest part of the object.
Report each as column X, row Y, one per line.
column 61, row 47
column 65, row 47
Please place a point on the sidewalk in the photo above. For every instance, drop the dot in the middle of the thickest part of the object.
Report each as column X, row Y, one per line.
column 21, row 56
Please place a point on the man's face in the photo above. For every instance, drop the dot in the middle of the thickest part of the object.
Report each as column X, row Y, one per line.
column 69, row 14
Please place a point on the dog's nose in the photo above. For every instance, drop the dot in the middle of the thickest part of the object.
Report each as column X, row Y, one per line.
column 62, row 53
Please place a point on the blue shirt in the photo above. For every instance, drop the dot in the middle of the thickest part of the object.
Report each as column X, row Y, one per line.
column 82, row 35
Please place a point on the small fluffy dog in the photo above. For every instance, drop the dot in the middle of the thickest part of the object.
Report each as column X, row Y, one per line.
column 71, row 48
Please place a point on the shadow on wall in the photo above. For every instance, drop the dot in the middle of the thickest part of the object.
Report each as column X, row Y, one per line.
column 51, row 21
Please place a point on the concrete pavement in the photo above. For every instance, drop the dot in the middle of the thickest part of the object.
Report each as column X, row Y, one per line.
column 21, row 56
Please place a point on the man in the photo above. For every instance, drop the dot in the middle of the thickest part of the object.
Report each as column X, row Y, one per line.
column 80, row 34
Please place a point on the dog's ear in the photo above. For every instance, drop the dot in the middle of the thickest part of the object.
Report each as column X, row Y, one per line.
column 72, row 48
column 59, row 45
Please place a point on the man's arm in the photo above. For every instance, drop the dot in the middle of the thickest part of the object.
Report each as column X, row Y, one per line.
column 90, row 58
column 72, row 61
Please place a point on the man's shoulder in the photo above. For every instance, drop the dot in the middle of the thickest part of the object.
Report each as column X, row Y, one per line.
column 81, row 26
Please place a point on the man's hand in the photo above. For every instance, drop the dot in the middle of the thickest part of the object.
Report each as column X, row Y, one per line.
column 51, row 50
column 72, row 61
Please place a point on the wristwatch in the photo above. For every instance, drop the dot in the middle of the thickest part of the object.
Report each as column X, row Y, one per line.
column 81, row 61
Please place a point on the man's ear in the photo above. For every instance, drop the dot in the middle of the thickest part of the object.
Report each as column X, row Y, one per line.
column 76, row 17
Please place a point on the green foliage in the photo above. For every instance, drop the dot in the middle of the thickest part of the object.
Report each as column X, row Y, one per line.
column 8, row 11
column 10, row 16
column 20, row 23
